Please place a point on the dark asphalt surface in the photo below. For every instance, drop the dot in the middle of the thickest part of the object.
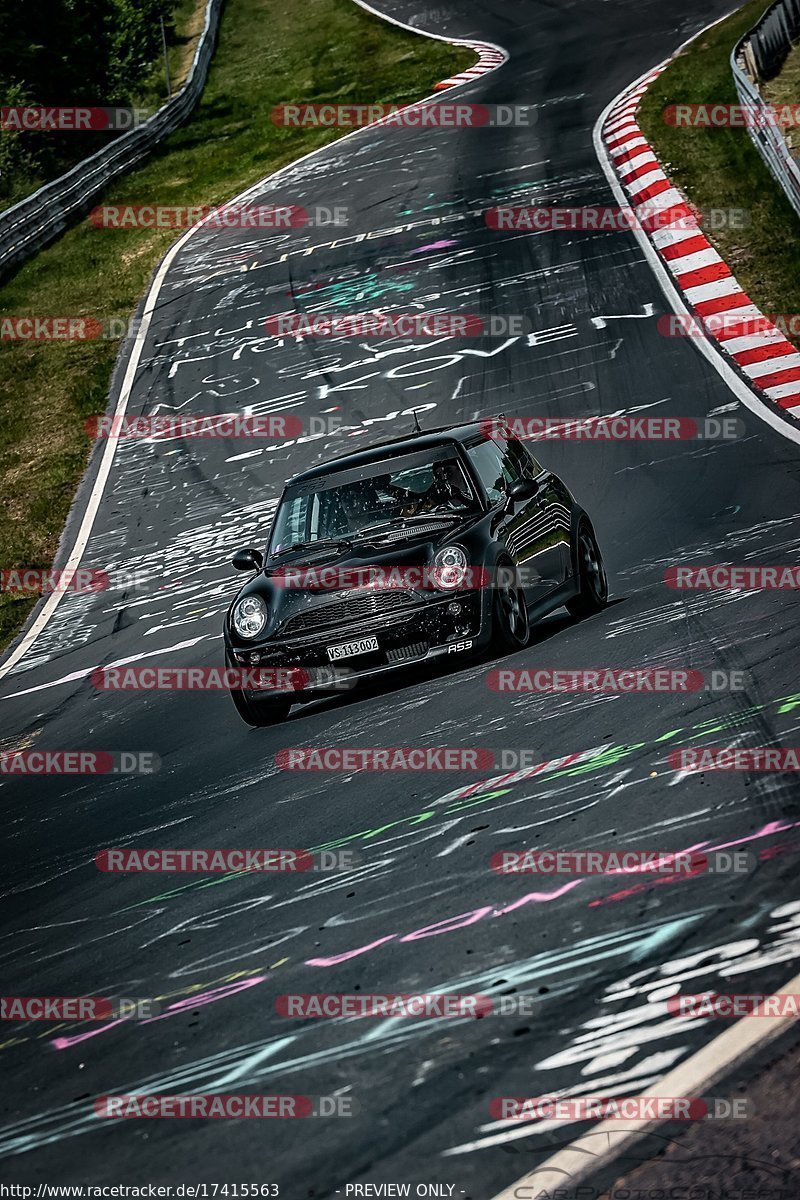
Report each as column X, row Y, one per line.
column 421, row 906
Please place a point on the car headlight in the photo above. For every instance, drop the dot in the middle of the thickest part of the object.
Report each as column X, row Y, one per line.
column 249, row 616
column 449, row 568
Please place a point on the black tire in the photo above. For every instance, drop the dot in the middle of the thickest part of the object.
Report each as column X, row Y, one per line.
column 257, row 711
column 510, row 625
column 592, row 578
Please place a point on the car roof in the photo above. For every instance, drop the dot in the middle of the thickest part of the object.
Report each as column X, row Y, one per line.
column 390, row 447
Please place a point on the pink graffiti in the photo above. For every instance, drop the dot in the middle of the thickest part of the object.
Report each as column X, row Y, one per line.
column 704, row 847
column 210, row 997
column 460, row 921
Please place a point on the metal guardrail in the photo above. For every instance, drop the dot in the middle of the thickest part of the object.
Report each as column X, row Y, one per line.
column 772, row 37
column 758, row 56
column 33, row 222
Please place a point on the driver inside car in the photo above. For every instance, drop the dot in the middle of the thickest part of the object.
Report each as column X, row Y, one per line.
column 363, row 505
column 448, row 490
column 365, row 502
column 354, row 506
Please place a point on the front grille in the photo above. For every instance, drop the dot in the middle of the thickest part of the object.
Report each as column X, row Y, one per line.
column 361, row 606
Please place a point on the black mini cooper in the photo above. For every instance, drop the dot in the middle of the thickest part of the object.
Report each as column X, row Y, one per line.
column 433, row 545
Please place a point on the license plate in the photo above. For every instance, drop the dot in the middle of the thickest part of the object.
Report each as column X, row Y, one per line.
column 349, row 649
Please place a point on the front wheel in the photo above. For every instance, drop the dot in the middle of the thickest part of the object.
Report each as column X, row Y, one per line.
column 258, row 711
column 592, row 580
column 510, row 626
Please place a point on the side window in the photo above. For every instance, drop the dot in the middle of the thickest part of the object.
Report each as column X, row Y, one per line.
column 487, row 461
column 518, row 462
column 512, row 462
column 296, row 531
column 291, row 524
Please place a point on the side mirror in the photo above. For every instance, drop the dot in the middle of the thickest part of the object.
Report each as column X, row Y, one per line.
column 248, row 559
column 520, row 490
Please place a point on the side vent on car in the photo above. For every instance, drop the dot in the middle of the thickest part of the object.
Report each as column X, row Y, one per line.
column 401, row 653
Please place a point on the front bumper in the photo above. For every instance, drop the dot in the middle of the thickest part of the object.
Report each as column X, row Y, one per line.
column 445, row 627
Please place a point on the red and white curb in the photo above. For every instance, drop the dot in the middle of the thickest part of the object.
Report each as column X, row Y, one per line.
column 489, row 58
column 767, row 361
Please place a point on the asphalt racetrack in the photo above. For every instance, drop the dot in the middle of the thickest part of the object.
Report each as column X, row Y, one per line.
column 420, row 910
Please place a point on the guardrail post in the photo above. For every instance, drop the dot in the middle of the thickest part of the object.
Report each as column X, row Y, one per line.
column 750, row 62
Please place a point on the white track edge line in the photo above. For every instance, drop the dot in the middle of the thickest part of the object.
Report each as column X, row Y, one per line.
column 690, row 1079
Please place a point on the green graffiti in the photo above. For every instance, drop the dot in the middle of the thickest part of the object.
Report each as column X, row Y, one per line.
column 460, row 805
column 365, row 288
column 607, row 757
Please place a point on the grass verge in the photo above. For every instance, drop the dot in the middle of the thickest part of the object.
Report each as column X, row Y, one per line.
column 267, row 55
column 720, row 169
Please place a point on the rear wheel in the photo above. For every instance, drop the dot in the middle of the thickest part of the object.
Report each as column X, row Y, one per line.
column 510, row 626
column 255, row 710
column 592, row 580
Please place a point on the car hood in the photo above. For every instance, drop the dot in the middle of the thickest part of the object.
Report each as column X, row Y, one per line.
column 308, row 580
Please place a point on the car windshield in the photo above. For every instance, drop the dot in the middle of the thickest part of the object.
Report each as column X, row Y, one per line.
column 346, row 504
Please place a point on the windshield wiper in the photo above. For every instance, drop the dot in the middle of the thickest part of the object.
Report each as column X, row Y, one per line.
column 377, row 528
column 345, row 543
